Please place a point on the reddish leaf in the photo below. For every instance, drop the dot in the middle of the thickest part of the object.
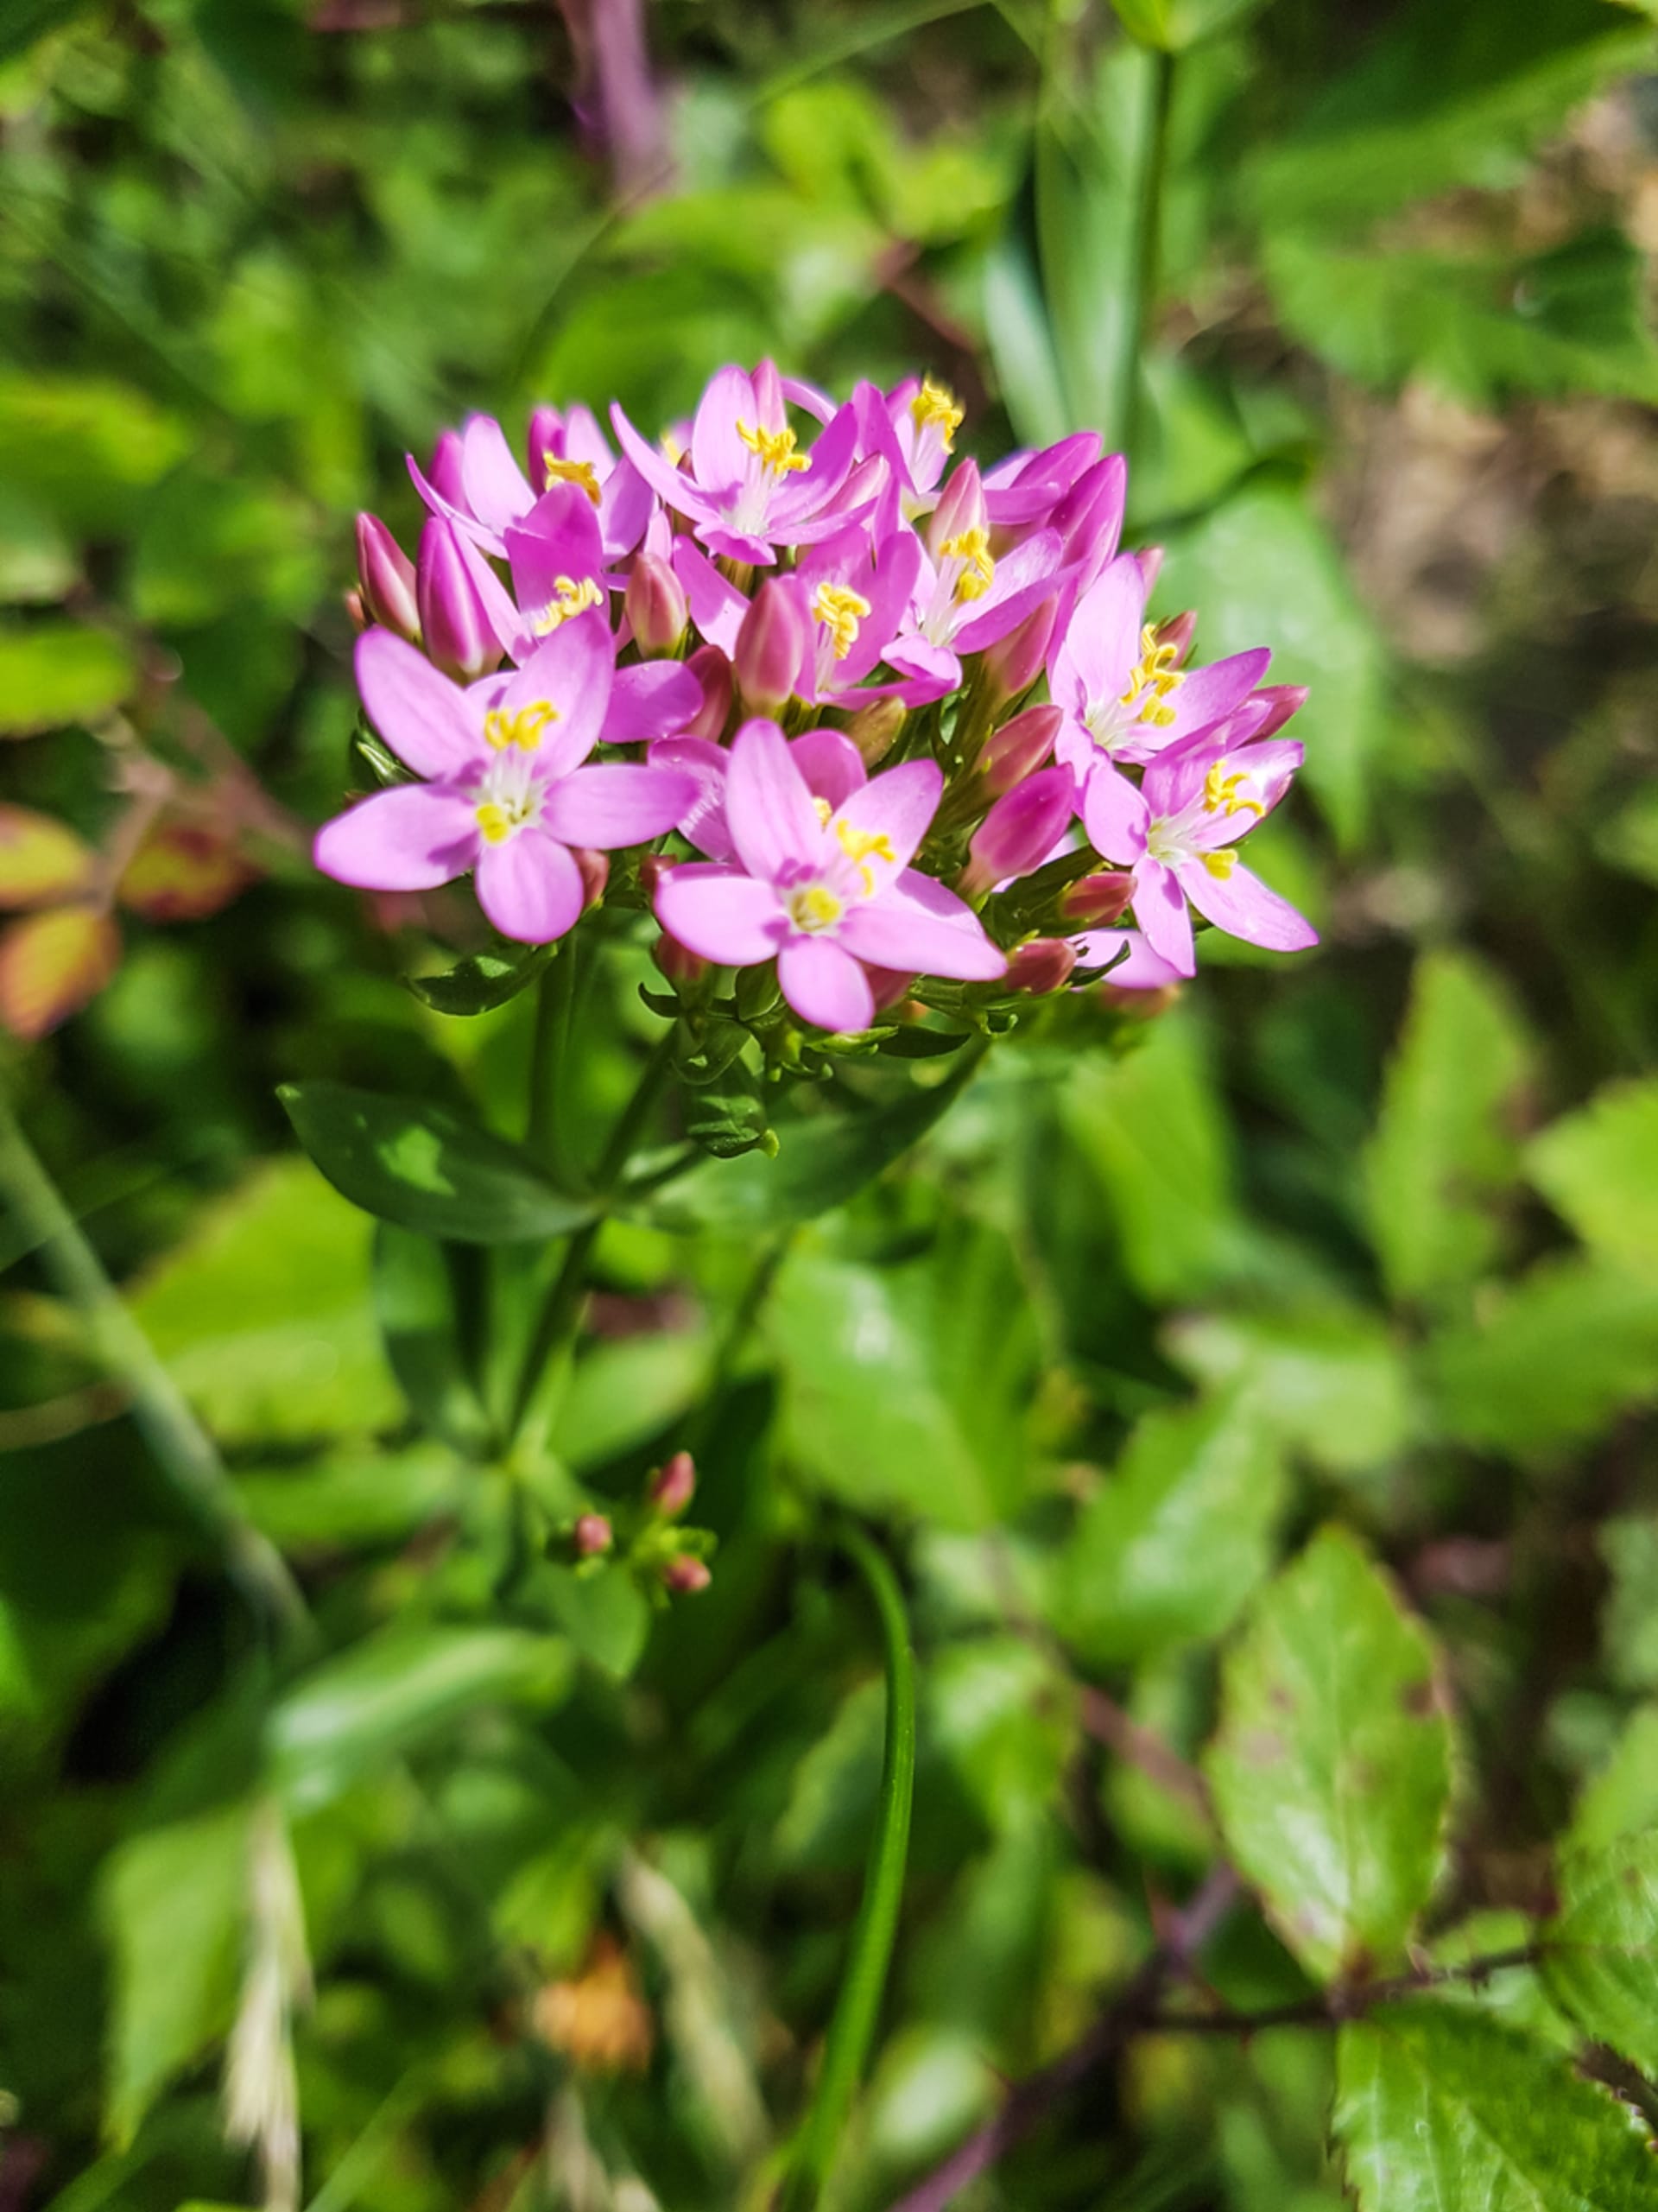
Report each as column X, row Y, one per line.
column 41, row 860
column 52, row 963
column 183, row 871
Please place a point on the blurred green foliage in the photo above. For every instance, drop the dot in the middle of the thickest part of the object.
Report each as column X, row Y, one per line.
column 1276, row 1393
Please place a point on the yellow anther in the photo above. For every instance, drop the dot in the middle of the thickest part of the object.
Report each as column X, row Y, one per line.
column 568, row 598
column 672, row 451
column 581, row 472
column 496, row 822
column 523, row 729
column 858, row 845
column 973, row 548
column 1223, row 794
column 1151, row 680
column 824, row 811
column 933, row 403
column 839, row 609
column 1219, row 863
column 774, row 448
column 812, row 909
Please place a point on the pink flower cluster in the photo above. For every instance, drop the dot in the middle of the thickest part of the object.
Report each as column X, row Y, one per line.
column 779, row 598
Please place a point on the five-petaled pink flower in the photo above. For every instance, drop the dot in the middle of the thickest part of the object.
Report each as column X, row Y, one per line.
column 823, row 884
column 506, row 793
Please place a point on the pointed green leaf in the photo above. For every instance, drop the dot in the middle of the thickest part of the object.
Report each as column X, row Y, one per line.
column 1599, row 1169
column 482, row 982
column 1602, row 1956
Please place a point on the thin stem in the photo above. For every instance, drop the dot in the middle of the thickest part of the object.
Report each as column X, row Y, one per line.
column 560, row 1314
column 1148, row 239
column 180, row 1444
column 1346, row 2001
column 550, row 1060
column 858, row 2007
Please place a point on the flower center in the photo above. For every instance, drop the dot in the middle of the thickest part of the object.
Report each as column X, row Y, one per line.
column 1219, row 863
column 933, row 403
column 581, row 472
column 1151, row 680
column 568, row 598
column 815, row 908
column 523, row 729
column 507, row 797
column 773, row 448
column 1227, row 795
column 840, row 610
column 973, row 548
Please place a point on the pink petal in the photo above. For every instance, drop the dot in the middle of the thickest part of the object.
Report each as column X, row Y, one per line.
column 1160, row 908
column 424, row 718
column 1102, row 643
column 1242, row 905
column 624, row 508
column 721, row 913
column 651, row 699
column 529, row 888
column 498, row 490
column 717, row 606
column 832, row 764
column 475, row 532
column 669, row 482
column 1143, row 970
column 572, row 671
column 612, row 807
column 1114, row 814
column 929, row 932
column 718, row 453
column 408, row 838
column 774, row 825
column 897, row 806
column 1207, row 694
column 825, row 985
column 704, row 821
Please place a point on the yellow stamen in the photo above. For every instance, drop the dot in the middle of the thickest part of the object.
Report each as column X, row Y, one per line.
column 859, row 844
column 824, row 811
column 1219, row 863
column 496, row 822
column 973, row 548
column 839, row 610
column 1153, row 677
column 1222, row 793
column 568, row 598
column 672, row 449
column 581, row 472
column 933, row 403
column 774, row 448
column 523, row 729
column 813, row 907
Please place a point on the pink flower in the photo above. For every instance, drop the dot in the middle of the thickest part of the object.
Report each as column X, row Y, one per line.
column 913, row 429
column 484, row 491
column 1027, row 487
column 506, row 793
column 822, row 885
column 1177, row 835
column 965, row 596
column 1124, row 698
column 1138, row 969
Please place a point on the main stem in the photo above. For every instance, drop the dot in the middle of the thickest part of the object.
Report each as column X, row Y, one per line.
column 549, row 1059
column 1148, row 240
column 180, row 1444
column 858, row 2007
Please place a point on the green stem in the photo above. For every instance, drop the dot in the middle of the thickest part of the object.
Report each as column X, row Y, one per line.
column 1147, row 235
column 857, row 2008
column 560, row 1314
column 550, row 1060
column 180, row 1444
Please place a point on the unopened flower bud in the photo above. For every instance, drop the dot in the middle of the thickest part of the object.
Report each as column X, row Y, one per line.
column 1150, row 558
column 387, row 576
column 1014, row 662
column 874, row 729
column 592, row 1536
column 455, row 629
column 444, row 474
column 769, row 648
column 595, row 868
column 682, row 967
column 656, row 606
column 1098, row 901
column 356, row 609
column 713, row 672
column 1286, row 698
column 545, row 429
column 1043, row 965
column 685, row 1575
column 960, row 509
column 889, row 986
column 1019, row 831
column 673, row 1487
column 1177, row 631
column 1018, row 748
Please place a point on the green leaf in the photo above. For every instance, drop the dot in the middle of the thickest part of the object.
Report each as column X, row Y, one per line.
column 1629, row 1545
column 431, row 1299
column 415, row 1164
column 85, row 447
column 262, row 1314
column 1169, row 1547
column 1552, row 1360
column 1172, row 26
column 1623, row 1795
column 823, row 1160
column 482, row 981
column 173, row 1902
column 372, row 1499
column 1438, row 2109
column 621, row 1393
column 59, row 672
column 396, row 1691
column 1628, row 838
column 1332, row 1769
column 727, row 1116
column 1022, row 346
column 1330, row 1382
column 606, row 1616
column 1601, row 1960
column 1599, row 1169
column 907, row 1386
column 1442, row 1156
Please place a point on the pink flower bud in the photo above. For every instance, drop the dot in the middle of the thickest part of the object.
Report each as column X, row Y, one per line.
column 453, row 624
column 545, row 429
column 387, row 576
column 682, row 967
column 673, row 1487
column 1015, row 662
column 960, row 509
column 1019, row 748
column 656, row 606
column 1286, row 698
column 889, row 986
column 444, row 474
column 356, row 609
column 1177, row 631
column 770, row 646
column 1043, row 965
column 685, row 1575
column 652, row 868
column 713, row 672
column 592, row 1536
column 874, row 729
column 595, row 868
column 1098, row 901
column 1150, row 558
column 1019, row 831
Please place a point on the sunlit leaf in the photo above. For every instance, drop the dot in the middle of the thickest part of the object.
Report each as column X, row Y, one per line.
column 59, row 672
column 183, row 870
column 41, row 859
column 52, row 963
column 1601, row 1956
column 1599, row 1169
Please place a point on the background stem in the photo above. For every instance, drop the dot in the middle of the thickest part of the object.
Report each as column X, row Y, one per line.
column 1148, row 239
column 858, row 2007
